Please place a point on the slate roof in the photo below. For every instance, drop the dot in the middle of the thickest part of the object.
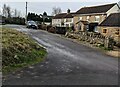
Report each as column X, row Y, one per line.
column 63, row 15
column 95, row 9
column 69, row 15
column 112, row 20
column 59, row 16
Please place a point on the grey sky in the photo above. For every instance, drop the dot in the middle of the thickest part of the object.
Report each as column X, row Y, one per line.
column 40, row 7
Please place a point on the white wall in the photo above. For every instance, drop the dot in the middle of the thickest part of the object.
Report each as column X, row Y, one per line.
column 68, row 22
column 56, row 22
column 114, row 9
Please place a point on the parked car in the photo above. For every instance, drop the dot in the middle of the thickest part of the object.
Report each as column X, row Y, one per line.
column 32, row 24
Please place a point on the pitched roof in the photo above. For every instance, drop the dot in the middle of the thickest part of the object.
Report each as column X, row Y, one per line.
column 59, row 16
column 64, row 15
column 112, row 20
column 50, row 16
column 69, row 15
column 95, row 9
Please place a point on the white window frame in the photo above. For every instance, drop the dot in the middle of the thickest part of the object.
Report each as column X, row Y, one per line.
column 88, row 17
column 97, row 18
column 80, row 18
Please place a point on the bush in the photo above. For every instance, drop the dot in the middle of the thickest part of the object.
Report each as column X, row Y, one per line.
column 51, row 29
column 69, row 29
column 44, row 27
column 101, row 45
column 15, row 20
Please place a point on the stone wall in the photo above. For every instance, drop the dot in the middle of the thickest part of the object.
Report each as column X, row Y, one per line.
column 110, row 32
column 92, row 38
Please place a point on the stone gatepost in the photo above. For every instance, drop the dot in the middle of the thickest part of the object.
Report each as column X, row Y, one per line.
column 108, row 43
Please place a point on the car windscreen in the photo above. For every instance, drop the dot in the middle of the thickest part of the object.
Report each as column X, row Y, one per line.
column 32, row 22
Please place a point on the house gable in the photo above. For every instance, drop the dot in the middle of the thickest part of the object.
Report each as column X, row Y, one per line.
column 112, row 20
column 114, row 9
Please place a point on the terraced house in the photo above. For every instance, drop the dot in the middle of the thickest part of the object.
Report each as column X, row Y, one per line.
column 111, row 26
column 63, row 19
column 58, row 19
column 88, row 18
column 68, row 20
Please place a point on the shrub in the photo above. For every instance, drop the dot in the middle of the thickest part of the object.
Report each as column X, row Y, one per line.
column 52, row 30
column 44, row 27
column 15, row 20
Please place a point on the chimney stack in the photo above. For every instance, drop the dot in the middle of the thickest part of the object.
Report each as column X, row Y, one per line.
column 68, row 11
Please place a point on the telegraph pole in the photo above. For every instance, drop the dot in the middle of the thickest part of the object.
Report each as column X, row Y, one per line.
column 26, row 13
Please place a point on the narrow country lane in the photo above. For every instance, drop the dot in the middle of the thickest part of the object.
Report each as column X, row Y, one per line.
column 67, row 63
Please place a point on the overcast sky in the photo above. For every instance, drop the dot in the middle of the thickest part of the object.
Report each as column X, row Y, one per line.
column 46, row 5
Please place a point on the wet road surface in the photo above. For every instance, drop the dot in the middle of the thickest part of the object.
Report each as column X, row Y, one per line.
column 67, row 63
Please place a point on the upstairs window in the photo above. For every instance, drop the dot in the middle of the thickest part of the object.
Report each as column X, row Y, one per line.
column 68, row 20
column 88, row 18
column 97, row 18
column 80, row 18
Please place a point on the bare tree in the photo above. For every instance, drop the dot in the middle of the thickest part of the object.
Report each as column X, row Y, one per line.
column 15, row 13
column 19, row 13
column 56, row 10
column 8, row 9
column 1, row 11
column 4, row 10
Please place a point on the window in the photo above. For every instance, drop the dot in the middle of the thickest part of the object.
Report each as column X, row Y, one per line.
column 67, row 25
column 96, row 29
column 71, row 24
column 104, row 30
column 117, row 31
column 68, row 20
column 58, row 25
column 88, row 18
column 97, row 18
column 80, row 18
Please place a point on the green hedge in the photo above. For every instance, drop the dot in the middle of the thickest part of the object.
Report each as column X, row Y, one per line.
column 15, row 20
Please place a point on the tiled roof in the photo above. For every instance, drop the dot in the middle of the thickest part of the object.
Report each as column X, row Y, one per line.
column 95, row 9
column 112, row 20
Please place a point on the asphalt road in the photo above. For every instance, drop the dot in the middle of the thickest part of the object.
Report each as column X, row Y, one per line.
column 67, row 63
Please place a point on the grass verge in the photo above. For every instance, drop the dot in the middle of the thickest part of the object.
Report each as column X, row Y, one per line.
column 19, row 50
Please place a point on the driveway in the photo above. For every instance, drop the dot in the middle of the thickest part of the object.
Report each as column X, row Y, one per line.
column 67, row 63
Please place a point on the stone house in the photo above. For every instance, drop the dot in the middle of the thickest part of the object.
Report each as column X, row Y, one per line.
column 111, row 26
column 94, row 16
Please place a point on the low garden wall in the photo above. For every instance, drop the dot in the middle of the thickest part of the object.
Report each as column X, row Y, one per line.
column 92, row 38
